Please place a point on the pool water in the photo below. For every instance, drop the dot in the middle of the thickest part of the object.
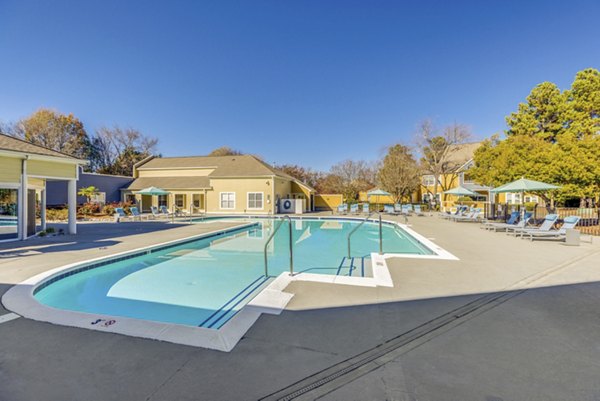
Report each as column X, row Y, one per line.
column 204, row 282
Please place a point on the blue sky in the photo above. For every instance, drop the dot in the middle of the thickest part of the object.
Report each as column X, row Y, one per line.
column 306, row 82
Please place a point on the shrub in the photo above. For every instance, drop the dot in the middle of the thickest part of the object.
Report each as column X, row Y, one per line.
column 50, row 230
column 57, row 214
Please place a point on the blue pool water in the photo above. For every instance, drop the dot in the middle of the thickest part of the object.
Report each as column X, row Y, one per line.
column 205, row 282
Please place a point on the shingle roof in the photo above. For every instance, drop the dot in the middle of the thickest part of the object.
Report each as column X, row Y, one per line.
column 224, row 166
column 18, row 145
column 170, row 183
column 462, row 153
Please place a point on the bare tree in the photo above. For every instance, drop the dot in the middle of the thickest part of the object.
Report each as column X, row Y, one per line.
column 116, row 150
column 438, row 151
column 354, row 176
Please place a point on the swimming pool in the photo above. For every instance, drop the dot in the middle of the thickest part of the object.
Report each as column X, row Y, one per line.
column 204, row 282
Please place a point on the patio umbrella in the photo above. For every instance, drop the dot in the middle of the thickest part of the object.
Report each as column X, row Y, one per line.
column 461, row 191
column 523, row 185
column 378, row 193
column 151, row 191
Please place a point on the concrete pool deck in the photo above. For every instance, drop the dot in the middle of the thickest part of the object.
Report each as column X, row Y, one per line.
column 448, row 336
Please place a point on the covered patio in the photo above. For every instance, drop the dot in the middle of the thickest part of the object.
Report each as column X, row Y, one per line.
column 24, row 170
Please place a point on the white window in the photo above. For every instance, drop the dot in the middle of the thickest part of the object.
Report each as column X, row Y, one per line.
column 255, row 200
column 227, row 200
column 428, row 180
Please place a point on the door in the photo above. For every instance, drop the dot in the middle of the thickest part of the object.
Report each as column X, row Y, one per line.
column 30, row 212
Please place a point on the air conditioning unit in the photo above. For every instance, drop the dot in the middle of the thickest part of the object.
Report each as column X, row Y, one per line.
column 291, row 206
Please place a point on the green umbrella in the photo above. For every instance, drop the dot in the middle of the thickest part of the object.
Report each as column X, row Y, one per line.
column 461, row 191
column 377, row 193
column 151, row 191
column 524, row 185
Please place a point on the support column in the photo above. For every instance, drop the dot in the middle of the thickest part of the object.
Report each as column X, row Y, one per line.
column 43, row 208
column 72, row 204
column 22, row 211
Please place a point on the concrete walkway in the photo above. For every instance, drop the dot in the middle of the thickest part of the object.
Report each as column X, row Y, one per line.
column 442, row 333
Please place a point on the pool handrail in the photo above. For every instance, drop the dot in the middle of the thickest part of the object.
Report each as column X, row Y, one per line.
column 363, row 222
column 291, row 246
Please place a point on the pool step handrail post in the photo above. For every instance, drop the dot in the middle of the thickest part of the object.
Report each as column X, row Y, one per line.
column 267, row 244
column 380, row 236
column 291, row 245
column 358, row 226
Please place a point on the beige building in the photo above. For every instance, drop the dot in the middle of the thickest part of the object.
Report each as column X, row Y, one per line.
column 240, row 184
column 24, row 171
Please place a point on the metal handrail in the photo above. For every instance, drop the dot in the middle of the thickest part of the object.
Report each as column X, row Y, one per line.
column 291, row 246
column 363, row 222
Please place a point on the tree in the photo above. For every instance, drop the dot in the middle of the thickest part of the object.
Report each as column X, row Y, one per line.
column 438, row 151
column 554, row 136
column 353, row 177
column 88, row 192
column 399, row 174
column 56, row 131
column 225, row 151
column 116, row 150
column 306, row 175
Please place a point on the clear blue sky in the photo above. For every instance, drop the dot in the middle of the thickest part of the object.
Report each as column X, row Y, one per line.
column 308, row 82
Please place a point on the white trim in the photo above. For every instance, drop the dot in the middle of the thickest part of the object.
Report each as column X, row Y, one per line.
column 34, row 156
column 272, row 299
column 221, row 200
column 262, row 200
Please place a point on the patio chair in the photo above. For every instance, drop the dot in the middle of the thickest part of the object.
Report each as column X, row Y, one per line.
column 155, row 212
column 418, row 211
column 165, row 212
column 406, row 209
column 354, row 208
column 460, row 211
column 512, row 220
column 342, row 209
column 365, row 208
column 389, row 209
column 473, row 216
column 120, row 214
column 546, row 225
column 135, row 212
column 568, row 223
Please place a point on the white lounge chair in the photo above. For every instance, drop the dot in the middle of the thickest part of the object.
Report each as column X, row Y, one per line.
column 568, row 223
column 546, row 225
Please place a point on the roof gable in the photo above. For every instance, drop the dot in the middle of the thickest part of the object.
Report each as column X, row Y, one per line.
column 18, row 145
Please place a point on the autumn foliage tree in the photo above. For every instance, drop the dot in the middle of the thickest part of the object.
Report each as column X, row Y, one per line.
column 399, row 174
column 54, row 130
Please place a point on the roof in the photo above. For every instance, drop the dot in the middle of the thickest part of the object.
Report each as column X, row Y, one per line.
column 224, row 166
column 462, row 153
column 13, row 144
column 170, row 183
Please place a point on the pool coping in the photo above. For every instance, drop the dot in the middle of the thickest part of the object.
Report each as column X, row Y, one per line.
column 270, row 300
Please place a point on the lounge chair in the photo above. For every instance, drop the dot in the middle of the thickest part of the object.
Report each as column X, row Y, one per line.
column 365, row 208
column 512, row 220
column 120, row 214
column 406, row 209
column 546, row 225
column 389, row 209
column 165, row 212
column 473, row 216
column 568, row 223
column 135, row 212
column 418, row 211
column 460, row 211
column 354, row 208
column 155, row 212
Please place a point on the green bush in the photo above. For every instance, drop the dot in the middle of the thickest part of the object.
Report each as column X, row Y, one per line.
column 530, row 206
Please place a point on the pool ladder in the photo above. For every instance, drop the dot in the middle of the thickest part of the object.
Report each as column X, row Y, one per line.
column 363, row 222
column 291, row 245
